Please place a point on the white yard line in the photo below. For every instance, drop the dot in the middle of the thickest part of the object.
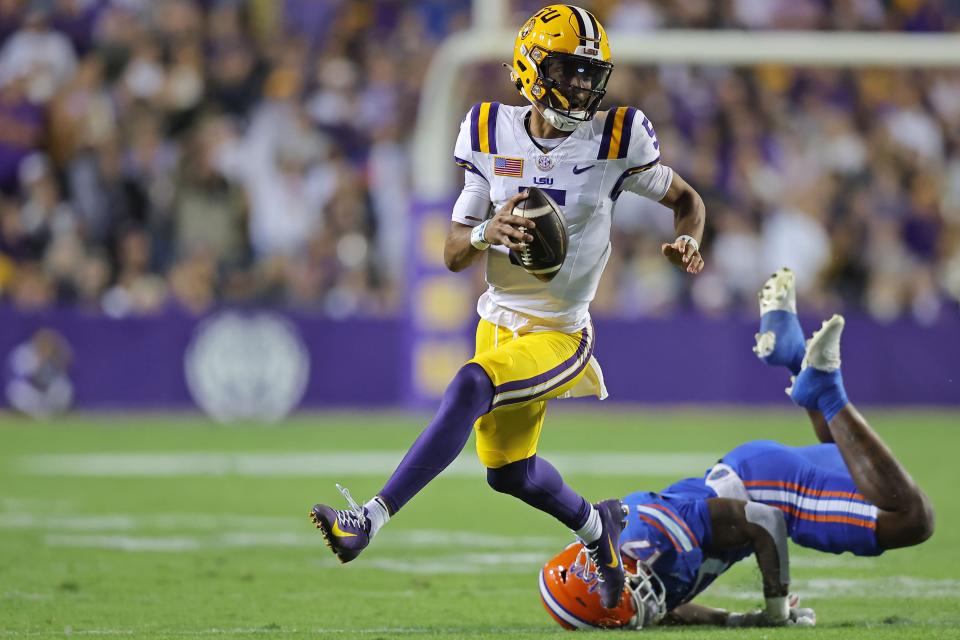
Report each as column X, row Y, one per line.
column 486, row 557
column 462, row 564
column 256, row 631
column 426, row 539
column 168, row 544
column 23, row 595
column 340, row 464
column 67, row 632
column 837, row 588
column 65, row 520
column 830, row 561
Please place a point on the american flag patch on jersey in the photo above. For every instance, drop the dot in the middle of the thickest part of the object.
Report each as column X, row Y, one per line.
column 510, row 167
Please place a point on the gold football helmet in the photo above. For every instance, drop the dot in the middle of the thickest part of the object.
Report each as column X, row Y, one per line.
column 561, row 64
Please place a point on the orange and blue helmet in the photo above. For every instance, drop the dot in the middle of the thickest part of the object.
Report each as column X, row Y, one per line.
column 568, row 590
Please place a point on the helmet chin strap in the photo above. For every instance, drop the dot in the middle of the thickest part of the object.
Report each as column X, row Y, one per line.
column 553, row 118
column 557, row 120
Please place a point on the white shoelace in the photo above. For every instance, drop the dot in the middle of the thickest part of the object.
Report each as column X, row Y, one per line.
column 355, row 517
column 585, row 557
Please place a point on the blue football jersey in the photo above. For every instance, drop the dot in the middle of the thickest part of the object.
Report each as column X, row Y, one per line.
column 811, row 485
column 671, row 534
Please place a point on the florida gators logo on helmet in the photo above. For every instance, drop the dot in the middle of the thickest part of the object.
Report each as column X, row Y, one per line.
column 568, row 590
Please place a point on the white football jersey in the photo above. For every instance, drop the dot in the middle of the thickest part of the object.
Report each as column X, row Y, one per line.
column 585, row 173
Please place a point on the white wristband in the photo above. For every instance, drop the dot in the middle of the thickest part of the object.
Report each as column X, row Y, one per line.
column 476, row 236
column 778, row 609
column 690, row 240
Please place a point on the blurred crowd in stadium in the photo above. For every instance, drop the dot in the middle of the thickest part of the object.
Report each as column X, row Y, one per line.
column 179, row 153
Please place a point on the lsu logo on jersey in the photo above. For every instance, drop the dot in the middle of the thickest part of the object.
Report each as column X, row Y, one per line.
column 508, row 167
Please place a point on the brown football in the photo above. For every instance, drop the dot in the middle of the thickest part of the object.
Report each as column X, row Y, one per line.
column 543, row 257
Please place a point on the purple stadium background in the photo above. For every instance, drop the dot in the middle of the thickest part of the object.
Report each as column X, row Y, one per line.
column 130, row 226
column 363, row 363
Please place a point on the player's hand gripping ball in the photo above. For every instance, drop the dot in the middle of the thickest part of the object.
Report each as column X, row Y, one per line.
column 544, row 255
column 532, row 227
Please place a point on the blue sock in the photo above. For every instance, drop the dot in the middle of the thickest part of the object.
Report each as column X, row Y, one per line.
column 820, row 391
column 790, row 346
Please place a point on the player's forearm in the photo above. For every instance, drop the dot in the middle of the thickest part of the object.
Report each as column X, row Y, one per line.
column 775, row 584
column 689, row 214
column 736, row 523
column 696, row 614
column 458, row 253
column 768, row 532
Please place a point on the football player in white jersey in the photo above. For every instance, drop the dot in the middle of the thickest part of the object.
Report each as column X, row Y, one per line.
column 534, row 340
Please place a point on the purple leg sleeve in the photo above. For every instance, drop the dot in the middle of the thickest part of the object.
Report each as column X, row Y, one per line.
column 468, row 397
column 538, row 483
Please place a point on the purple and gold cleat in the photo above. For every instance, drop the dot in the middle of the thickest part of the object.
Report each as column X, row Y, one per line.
column 345, row 531
column 605, row 552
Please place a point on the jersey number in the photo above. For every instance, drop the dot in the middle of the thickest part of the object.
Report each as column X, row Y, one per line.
column 648, row 127
column 559, row 195
column 547, row 14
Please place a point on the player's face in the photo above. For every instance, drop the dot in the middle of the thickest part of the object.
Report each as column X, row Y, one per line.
column 574, row 83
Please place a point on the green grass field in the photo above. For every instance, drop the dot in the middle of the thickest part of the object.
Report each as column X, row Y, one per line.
column 162, row 527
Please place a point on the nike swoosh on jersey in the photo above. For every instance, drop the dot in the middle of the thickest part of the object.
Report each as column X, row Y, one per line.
column 577, row 170
column 340, row 533
column 613, row 552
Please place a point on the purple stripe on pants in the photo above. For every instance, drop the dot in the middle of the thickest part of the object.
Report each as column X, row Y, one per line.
column 513, row 385
column 534, row 396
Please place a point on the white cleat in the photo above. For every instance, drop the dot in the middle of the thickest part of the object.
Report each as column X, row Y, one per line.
column 779, row 293
column 823, row 348
column 766, row 343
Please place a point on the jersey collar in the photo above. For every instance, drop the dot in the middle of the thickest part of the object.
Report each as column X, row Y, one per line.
column 527, row 139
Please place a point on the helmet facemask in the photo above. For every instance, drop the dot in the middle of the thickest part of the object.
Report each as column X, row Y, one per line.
column 649, row 596
column 569, row 88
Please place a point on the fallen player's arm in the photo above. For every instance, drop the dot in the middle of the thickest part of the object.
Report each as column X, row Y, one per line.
column 737, row 524
column 692, row 613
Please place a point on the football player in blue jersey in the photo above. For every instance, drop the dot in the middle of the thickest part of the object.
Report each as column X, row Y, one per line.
column 847, row 494
column 534, row 339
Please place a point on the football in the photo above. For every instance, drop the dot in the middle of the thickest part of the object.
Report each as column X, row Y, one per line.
column 543, row 257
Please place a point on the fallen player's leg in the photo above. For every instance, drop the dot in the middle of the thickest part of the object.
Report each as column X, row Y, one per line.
column 780, row 340
column 905, row 515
